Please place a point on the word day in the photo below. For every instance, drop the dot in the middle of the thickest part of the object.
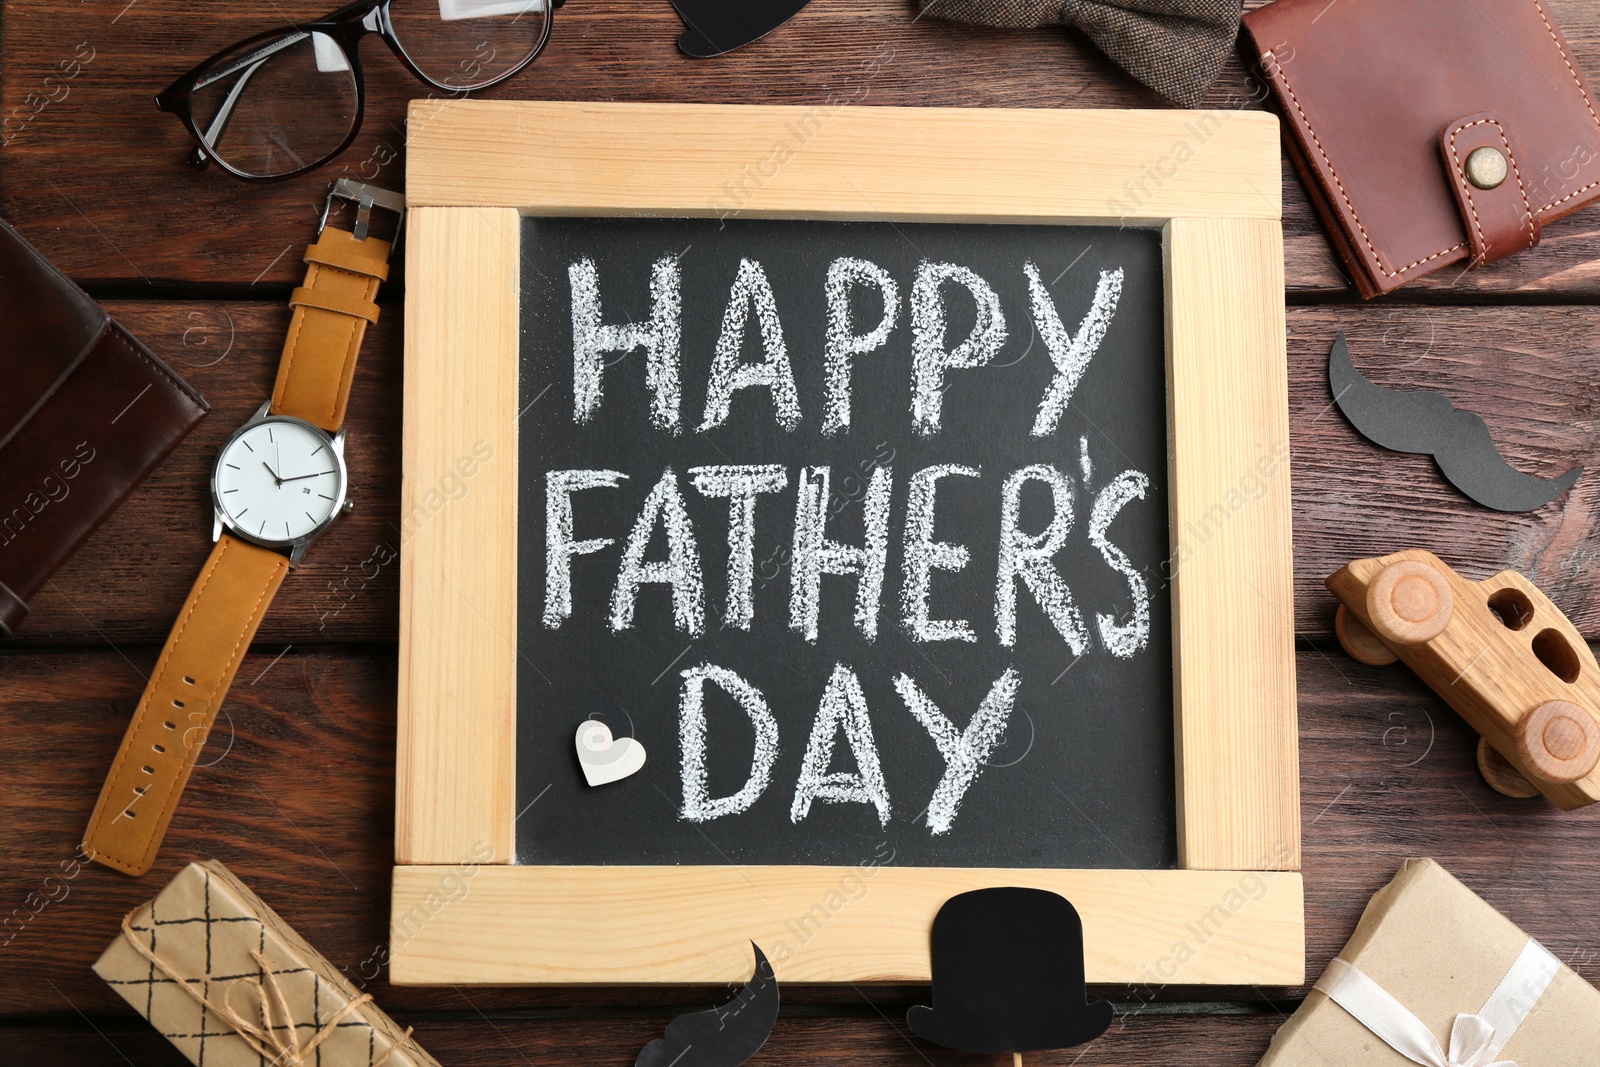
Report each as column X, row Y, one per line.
column 842, row 711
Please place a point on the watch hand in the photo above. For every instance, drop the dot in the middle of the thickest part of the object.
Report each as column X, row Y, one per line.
column 317, row 474
column 272, row 472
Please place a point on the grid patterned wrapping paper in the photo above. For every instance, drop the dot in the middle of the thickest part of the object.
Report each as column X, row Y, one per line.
column 235, row 951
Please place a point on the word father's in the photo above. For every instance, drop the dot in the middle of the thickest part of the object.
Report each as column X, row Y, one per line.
column 1027, row 556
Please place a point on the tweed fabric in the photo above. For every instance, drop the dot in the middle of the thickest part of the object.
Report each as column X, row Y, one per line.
column 1176, row 47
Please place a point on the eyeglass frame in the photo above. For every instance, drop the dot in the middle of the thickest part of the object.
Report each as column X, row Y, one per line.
column 346, row 27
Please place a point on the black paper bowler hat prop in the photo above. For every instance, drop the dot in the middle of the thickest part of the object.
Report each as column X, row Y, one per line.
column 721, row 1037
column 712, row 27
column 1008, row 975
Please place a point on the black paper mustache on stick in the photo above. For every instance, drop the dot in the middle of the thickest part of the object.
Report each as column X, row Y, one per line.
column 721, row 1037
column 1413, row 420
column 712, row 27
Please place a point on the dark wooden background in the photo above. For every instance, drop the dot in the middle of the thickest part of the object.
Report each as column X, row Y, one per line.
column 296, row 791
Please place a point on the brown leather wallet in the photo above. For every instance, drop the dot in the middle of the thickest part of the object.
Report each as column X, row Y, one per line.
column 1430, row 132
column 86, row 413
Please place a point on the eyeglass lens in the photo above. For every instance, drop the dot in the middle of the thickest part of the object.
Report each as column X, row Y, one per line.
column 269, row 108
column 467, row 44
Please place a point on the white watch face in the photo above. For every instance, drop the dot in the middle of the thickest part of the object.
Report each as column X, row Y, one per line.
column 279, row 480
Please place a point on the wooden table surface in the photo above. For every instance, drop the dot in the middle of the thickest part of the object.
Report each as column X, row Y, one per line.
column 295, row 790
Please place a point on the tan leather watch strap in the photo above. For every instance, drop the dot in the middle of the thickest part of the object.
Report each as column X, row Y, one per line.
column 331, row 313
column 180, row 703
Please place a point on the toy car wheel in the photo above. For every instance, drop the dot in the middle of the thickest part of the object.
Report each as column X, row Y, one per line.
column 1409, row 602
column 1358, row 642
column 1502, row 776
column 1559, row 741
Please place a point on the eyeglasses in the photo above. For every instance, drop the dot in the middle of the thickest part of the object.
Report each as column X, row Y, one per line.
column 286, row 101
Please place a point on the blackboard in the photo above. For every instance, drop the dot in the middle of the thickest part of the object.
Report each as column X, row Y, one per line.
column 1082, row 772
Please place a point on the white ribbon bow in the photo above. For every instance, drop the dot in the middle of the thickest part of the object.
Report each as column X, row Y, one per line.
column 1475, row 1040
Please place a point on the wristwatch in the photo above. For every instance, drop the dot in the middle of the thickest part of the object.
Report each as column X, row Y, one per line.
column 278, row 483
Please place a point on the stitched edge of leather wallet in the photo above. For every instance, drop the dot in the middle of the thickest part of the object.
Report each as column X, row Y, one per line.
column 54, row 497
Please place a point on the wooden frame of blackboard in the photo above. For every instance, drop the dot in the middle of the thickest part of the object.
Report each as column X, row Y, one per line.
column 463, row 912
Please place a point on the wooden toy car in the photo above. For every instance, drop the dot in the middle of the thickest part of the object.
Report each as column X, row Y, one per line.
column 1497, row 651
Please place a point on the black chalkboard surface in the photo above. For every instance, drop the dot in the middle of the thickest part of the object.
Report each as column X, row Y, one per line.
column 859, row 529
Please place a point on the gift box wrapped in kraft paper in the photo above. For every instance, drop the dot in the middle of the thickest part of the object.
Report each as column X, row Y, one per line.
column 231, row 984
column 1433, row 975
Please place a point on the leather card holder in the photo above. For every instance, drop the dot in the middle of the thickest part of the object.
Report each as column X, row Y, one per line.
column 86, row 413
column 1429, row 132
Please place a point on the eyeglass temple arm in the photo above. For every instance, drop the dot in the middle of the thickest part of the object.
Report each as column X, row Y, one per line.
column 250, row 64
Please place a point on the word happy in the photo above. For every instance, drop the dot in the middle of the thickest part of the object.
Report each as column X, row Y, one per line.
column 1027, row 577
column 661, row 337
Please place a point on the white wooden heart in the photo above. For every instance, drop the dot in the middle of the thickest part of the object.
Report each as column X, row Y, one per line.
column 604, row 759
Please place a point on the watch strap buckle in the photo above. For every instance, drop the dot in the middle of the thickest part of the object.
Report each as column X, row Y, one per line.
column 365, row 197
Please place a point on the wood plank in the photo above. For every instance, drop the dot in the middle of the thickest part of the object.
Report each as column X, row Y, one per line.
column 598, row 925
column 168, row 223
column 1526, row 370
column 300, row 808
column 874, row 1032
column 1389, row 771
column 1231, row 566
column 458, row 627
column 294, row 786
column 763, row 161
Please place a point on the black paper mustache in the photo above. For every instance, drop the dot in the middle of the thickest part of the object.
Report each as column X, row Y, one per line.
column 712, row 27
column 721, row 1037
column 1414, row 420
